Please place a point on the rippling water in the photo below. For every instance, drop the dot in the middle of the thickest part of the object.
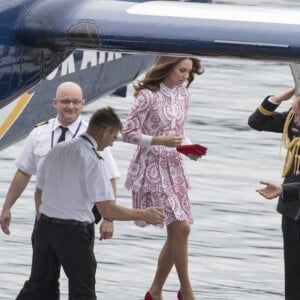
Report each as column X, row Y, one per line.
column 235, row 243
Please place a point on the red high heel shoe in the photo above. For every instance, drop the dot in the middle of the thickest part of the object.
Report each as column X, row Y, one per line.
column 148, row 296
column 179, row 295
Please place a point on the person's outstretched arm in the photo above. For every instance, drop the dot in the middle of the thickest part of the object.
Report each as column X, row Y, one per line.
column 16, row 188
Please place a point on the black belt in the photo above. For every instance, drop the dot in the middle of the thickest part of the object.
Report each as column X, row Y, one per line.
column 63, row 221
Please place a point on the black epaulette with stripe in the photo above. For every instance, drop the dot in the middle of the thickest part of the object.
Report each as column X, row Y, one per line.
column 41, row 123
column 97, row 154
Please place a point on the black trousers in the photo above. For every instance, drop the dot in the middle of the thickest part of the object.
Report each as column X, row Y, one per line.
column 291, row 242
column 69, row 246
column 54, row 285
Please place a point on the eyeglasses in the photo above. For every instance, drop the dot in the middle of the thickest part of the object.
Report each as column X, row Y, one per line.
column 69, row 101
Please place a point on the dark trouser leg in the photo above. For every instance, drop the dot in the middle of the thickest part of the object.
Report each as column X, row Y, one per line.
column 74, row 246
column 56, row 272
column 42, row 284
column 291, row 240
column 33, row 234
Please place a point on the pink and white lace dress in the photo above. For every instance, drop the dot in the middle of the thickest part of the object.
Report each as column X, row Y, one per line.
column 156, row 175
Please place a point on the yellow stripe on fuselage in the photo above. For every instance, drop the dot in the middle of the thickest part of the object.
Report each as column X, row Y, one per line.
column 14, row 113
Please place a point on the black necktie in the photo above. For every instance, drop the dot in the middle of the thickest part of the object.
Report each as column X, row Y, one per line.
column 63, row 134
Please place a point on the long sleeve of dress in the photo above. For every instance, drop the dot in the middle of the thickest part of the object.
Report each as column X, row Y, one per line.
column 134, row 131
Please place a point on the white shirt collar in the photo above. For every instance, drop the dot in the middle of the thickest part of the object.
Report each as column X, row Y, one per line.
column 72, row 127
column 90, row 138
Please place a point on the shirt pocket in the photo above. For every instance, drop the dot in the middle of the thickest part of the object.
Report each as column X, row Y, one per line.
column 39, row 155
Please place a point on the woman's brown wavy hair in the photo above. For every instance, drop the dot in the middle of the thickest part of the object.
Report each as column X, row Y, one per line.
column 162, row 68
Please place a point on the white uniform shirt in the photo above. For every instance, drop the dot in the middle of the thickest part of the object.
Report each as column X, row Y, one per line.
column 43, row 137
column 73, row 178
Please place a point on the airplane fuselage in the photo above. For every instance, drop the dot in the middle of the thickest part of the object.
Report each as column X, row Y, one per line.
column 98, row 72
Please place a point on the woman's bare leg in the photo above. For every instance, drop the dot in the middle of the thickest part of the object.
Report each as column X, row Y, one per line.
column 179, row 233
column 164, row 266
column 174, row 251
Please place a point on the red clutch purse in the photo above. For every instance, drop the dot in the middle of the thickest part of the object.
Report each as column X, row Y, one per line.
column 195, row 149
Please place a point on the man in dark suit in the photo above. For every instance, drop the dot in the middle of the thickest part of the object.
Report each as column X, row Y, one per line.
column 265, row 118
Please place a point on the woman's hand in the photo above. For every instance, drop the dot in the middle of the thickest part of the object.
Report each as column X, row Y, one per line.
column 167, row 140
column 194, row 157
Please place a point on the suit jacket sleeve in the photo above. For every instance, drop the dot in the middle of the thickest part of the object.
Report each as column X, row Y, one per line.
column 291, row 190
column 266, row 119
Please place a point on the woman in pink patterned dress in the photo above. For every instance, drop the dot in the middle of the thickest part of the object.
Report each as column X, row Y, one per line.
column 156, row 175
